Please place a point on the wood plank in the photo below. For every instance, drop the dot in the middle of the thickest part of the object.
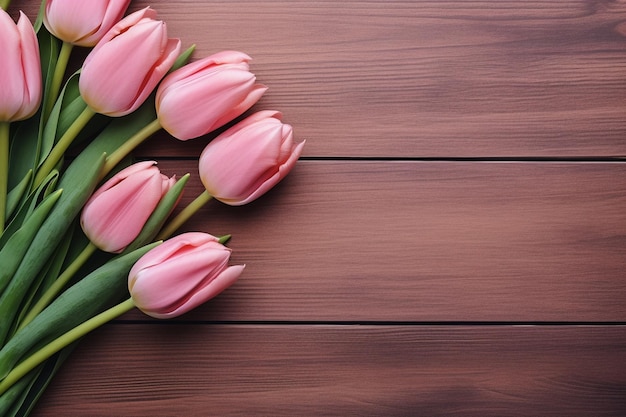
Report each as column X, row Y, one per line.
column 423, row 78
column 426, row 241
column 237, row 370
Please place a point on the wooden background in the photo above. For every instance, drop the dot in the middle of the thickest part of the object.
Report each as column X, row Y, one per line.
column 451, row 243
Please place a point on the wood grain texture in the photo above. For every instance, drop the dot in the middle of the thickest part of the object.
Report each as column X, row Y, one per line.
column 128, row 370
column 426, row 241
column 425, row 78
column 429, row 79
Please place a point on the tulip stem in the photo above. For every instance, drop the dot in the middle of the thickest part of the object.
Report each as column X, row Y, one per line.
column 128, row 146
column 57, row 78
column 184, row 215
column 62, row 341
column 59, row 284
column 61, row 146
column 4, row 4
column 4, row 171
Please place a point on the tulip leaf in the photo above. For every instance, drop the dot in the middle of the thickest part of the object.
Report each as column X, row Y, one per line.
column 159, row 215
column 78, row 242
column 45, row 278
column 98, row 291
column 120, row 130
column 24, row 152
column 50, row 131
column 16, row 194
column 78, row 182
column 49, row 48
column 14, row 398
column 28, row 206
column 71, row 111
column 39, row 20
column 19, row 242
column 35, row 384
column 183, row 58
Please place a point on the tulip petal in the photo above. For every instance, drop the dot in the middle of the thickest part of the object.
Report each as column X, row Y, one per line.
column 114, row 85
column 71, row 21
column 283, row 170
column 116, row 213
column 164, row 285
column 227, row 278
column 186, row 71
column 10, row 71
column 204, row 95
column 247, row 160
column 123, row 174
column 31, row 67
column 20, row 70
column 116, row 216
column 168, row 249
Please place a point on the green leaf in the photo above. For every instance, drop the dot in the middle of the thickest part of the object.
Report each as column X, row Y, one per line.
column 51, row 132
column 19, row 242
column 120, row 129
column 102, row 289
column 78, row 182
column 15, row 196
column 159, row 215
column 68, row 115
column 23, row 154
column 39, row 20
column 44, row 376
column 49, row 49
column 15, row 397
column 183, row 58
column 47, row 276
column 28, row 206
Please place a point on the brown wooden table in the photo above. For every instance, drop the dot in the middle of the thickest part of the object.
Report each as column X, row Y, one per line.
column 451, row 243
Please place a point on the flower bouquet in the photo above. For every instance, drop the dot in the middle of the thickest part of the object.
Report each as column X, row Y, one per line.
column 69, row 189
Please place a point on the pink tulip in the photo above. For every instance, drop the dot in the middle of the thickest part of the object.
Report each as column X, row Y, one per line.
column 115, row 214
column 205, row 95
column 80, row 22
column 127, row 64
column 20, row 69
column 180, row 274
column 248, row 159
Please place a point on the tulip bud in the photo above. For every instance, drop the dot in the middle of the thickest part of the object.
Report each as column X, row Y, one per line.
column 82, row 23
column 127, row 64
column 205, row 95
column 247, row 160
column 115, row 214
column 20, row 69
column 180, row 274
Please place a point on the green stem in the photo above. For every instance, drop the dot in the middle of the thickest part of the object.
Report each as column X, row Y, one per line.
column 62, row 341
column 59, row 284
column 4, row 4
column 57, row 78
column 184, row 215
column 4, row 171
column 128, row 146
column 61, row 146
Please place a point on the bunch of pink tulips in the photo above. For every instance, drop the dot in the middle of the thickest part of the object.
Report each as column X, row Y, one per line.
column 47, row 300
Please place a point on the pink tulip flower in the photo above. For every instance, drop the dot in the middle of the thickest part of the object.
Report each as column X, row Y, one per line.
column 180, row 274
column 127, row 64
column 115, row 214
column 248, row 159
column 205, row 95
column 80, row 22
column 20, row 69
